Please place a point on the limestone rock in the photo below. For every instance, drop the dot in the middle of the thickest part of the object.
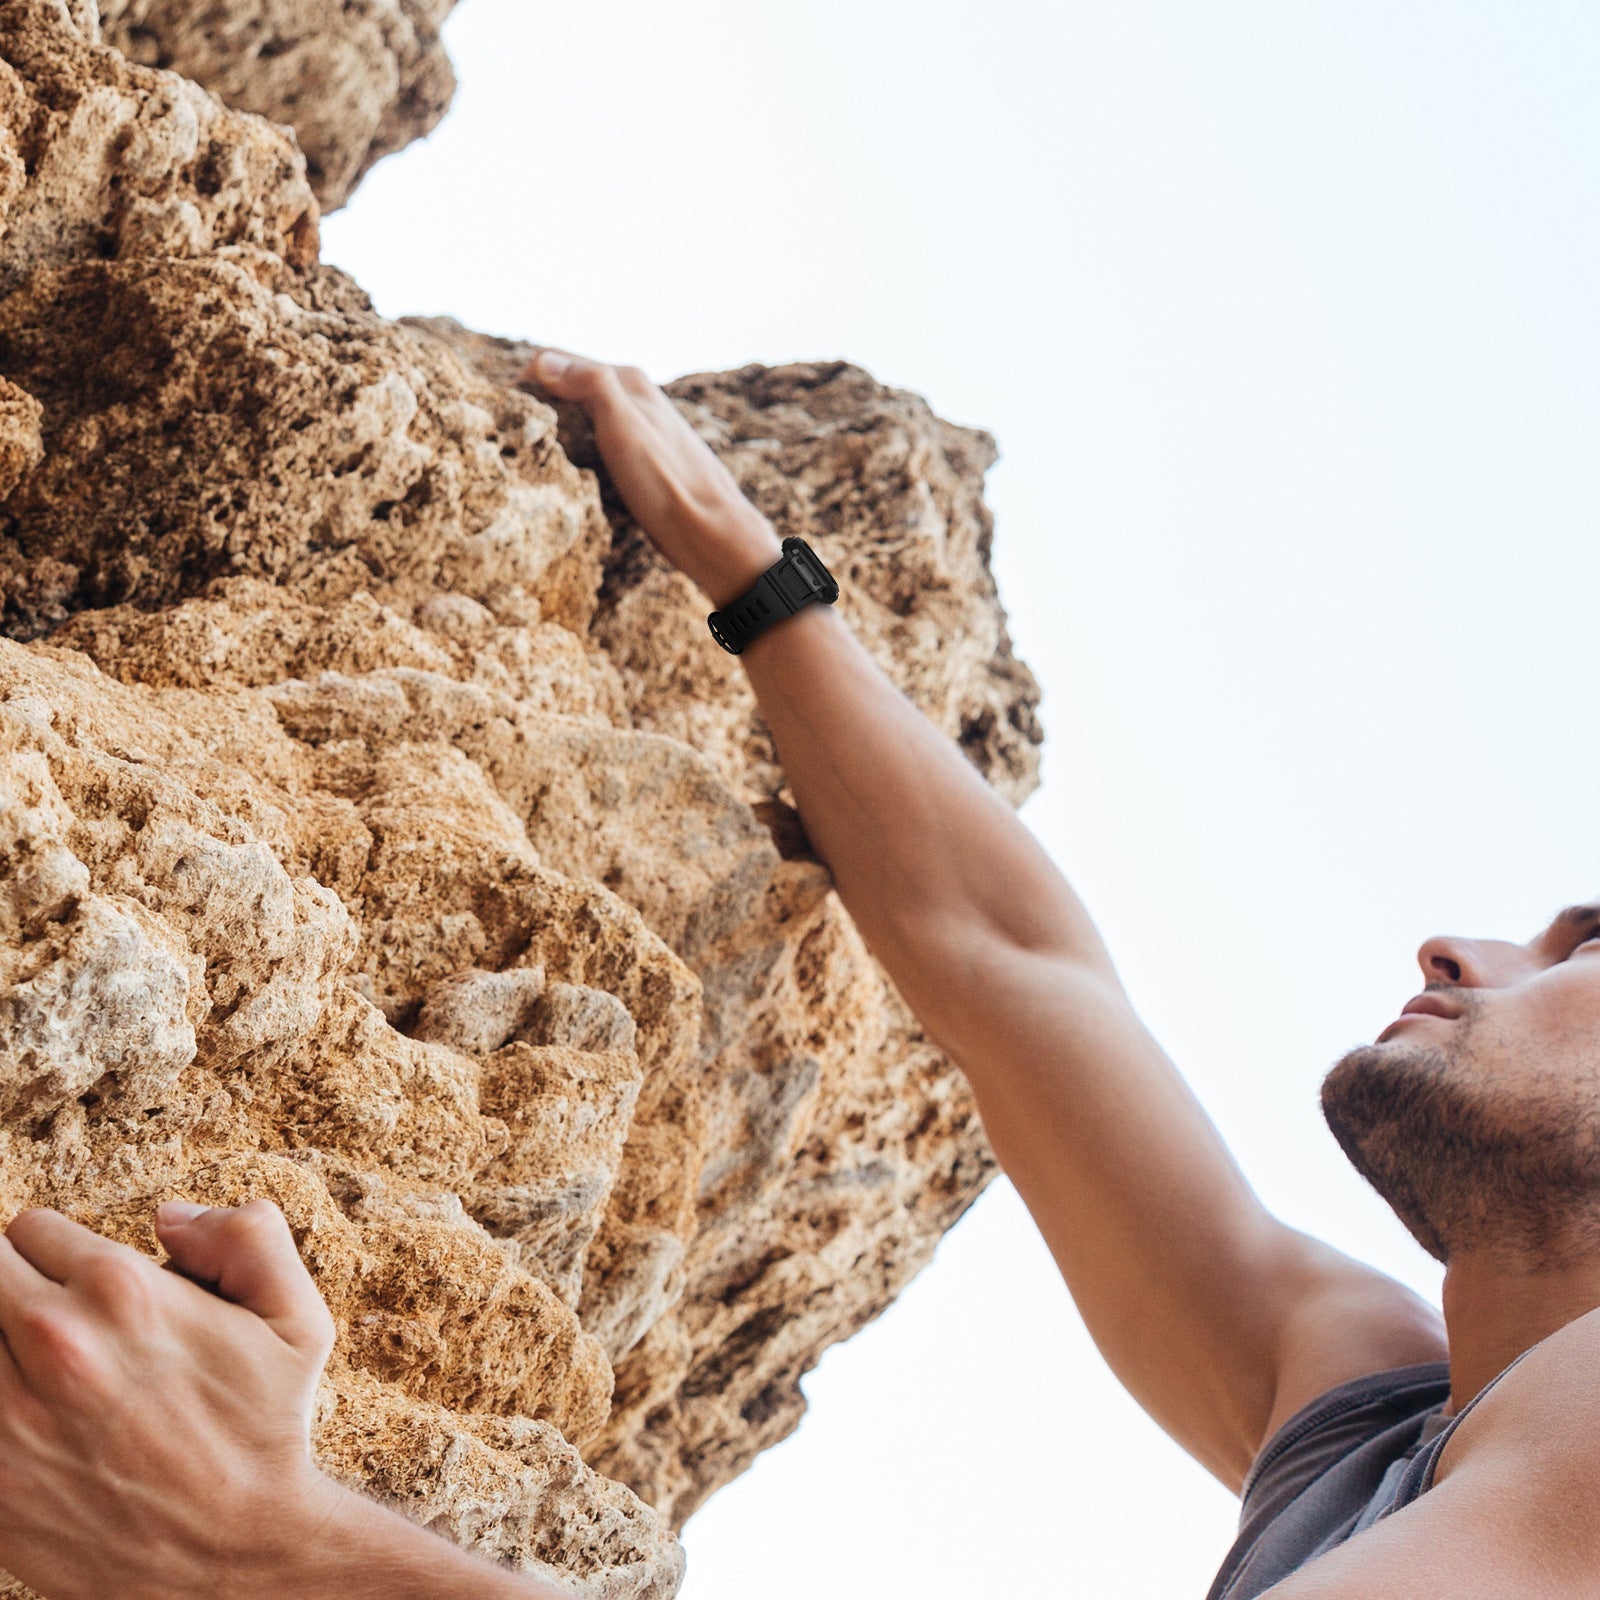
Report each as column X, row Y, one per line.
column 479, row 1011
column 219, row 418
column 104, row 160
column 181, row 1014
column 381, row 832
column 889, row 495
column 355, row 81
column 21, row 448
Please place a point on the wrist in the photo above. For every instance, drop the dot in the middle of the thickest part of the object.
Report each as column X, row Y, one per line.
column 733, row 561
column 309, row 1536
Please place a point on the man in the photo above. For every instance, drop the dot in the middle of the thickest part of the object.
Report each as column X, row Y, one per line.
column 153, row 1436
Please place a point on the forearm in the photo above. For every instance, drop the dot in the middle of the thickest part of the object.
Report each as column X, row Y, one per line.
column 359, row 1550
column 920, row 848
column 916, row 840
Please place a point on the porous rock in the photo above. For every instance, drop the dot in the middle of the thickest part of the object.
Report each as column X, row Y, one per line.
column 356, row 81
column 101, row 159
column 382, row 833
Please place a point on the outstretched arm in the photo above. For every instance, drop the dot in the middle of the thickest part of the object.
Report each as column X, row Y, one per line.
column 155, row 1435
column 1218, row 1319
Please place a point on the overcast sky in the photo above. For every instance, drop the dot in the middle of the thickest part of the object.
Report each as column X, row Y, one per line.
column 1284, row 315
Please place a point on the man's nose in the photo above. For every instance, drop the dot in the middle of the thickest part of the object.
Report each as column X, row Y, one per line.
column 1466, row 963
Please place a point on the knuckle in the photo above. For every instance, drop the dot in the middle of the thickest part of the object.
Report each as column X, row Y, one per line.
column 324, row 1329
column 634, row 381
column 120, row 1282
column 63, row 1349
column 43, row 1326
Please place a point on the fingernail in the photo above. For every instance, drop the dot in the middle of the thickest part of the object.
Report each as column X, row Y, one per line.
column 174, row 1213
column 551, row 363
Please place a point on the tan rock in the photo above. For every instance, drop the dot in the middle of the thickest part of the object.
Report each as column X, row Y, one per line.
column 178, row 1018
column 303, row 441
column 21, row 448
column 101, row 159
column 479, row 1011
column 382, row 832
column 889, row 495
column 355, row 81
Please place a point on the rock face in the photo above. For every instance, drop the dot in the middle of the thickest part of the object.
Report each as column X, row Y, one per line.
column 381, row 832
column 355, row 81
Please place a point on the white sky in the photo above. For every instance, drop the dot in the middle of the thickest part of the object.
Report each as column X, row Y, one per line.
column 1284, row 314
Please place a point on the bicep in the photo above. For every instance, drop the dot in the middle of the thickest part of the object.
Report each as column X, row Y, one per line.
column 1183, row 1278
column 1220, row 1320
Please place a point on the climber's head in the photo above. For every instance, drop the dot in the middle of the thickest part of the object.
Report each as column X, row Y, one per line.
column 1476, row 1115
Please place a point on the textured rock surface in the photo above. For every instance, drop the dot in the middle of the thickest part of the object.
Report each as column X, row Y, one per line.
column 355, row 81
column 381, row 832
column 103, row 161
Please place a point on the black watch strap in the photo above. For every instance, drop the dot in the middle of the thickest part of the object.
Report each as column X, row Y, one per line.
column 793, row 581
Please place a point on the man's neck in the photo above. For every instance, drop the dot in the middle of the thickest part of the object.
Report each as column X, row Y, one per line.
column 1496, row 1305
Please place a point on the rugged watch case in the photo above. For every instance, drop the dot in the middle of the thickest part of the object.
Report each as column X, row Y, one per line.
column 793, row 581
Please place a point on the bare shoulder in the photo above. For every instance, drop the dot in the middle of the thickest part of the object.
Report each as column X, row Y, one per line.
column 1348, row 1320
column 1543, row 1411
column 1509, row 1510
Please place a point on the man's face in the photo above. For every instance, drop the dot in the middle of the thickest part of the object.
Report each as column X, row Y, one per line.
column 1476, row 1114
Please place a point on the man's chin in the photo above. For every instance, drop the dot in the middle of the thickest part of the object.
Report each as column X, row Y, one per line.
column 1467, row 1162
column 1368, row 1090
column 1391, row 1057
column 1380, row 1101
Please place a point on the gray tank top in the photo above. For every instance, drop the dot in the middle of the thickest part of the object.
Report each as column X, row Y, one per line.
column 1338, row 1465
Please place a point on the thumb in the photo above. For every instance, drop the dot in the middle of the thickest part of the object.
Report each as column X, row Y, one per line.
column 247, row 1254
column 570, row 377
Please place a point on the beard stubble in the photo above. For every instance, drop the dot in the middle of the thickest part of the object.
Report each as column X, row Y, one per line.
column 1466, row 1161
